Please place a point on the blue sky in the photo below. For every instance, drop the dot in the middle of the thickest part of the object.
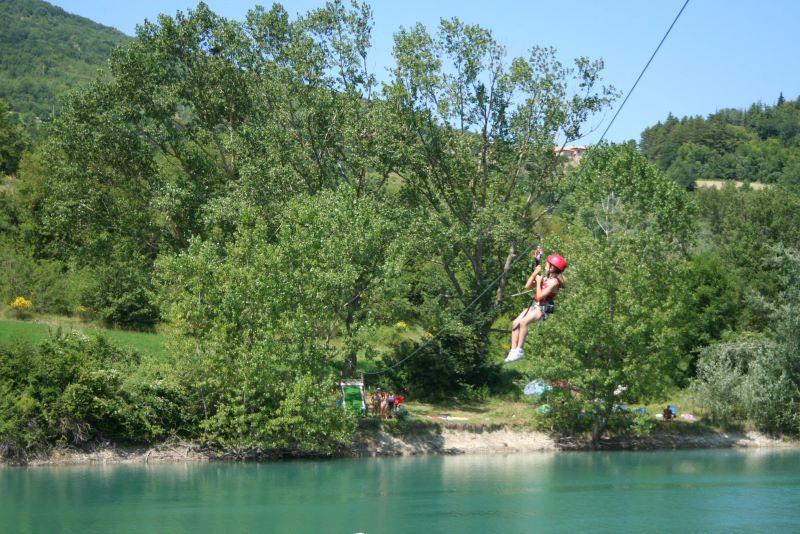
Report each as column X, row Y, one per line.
column 720, row 54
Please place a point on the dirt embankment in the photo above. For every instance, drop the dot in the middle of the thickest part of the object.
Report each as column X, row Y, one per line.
column 463, row 439
column 437, row 439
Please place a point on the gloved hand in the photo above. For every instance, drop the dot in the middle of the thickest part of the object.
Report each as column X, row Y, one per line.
column 537, row 256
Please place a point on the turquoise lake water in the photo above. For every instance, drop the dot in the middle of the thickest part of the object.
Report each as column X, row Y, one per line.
column 749, row 490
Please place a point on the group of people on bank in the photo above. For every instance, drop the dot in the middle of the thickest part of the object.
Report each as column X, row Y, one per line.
column 385, row 403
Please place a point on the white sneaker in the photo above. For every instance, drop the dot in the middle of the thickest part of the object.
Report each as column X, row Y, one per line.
column 515, row 354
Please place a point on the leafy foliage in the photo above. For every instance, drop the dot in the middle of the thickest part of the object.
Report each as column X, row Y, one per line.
column 479, row 138
column 441, row 369
column 746, row 225
column 259, row 315
column 709, row 296
column 252, row 187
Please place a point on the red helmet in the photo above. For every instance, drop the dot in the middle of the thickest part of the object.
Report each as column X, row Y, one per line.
column 557, row 261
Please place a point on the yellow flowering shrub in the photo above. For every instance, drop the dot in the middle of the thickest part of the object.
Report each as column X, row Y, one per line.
column 21, row 306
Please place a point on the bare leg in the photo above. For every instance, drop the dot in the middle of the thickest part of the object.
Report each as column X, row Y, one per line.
column 520, row 326
column 514, row 336
column 515, row 328
column 515, row 325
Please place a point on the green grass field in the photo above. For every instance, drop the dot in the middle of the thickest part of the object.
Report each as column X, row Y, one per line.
column 36, row 332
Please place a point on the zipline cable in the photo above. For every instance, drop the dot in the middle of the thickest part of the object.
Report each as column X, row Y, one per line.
column 530, row 247
column 630, row 92
column 643, row 71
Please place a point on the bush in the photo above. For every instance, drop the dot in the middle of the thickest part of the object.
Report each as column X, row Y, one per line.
column 445, row 367
column 721, row 386
column 121, row 295
column 278, row 397
column 21, row 307
column 641, row 424
column 156, row 401
column 774, row 382
column 15, row 404
column 295, row 417
column 565, row 413
column 56, row 288
column 756, row 380
column 49, row 284
column 74, row 389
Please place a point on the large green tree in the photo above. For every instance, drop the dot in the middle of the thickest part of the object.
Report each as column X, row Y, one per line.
column 479, row 133
column 742, row 227
column 207, row 125
column 277, row 294
column 258, row 316
column 616, row 326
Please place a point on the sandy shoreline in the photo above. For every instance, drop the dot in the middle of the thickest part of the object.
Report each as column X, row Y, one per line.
column 445, row 439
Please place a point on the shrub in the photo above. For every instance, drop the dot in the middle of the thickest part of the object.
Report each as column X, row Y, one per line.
column 121, row 295
column 756, row 380
column 565, row 413
column 52, row 286
column 720, row 386
column 155, row 407
column 74, row 389
column 56, row 288
column 21, row 307
column 442, row 368
column 641, row 424
column 773, row 384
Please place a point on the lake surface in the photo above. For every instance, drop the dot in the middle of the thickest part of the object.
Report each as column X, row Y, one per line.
column 753, row 490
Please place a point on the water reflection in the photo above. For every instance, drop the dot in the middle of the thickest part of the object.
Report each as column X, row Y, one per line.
column 695, row 491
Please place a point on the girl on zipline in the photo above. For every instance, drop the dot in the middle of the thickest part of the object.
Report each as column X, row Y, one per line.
column 546, row 288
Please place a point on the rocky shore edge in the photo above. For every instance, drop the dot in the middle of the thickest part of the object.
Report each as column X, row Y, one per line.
column 439, row 439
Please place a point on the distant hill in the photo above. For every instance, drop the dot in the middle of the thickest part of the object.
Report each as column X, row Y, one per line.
column 758, row 145
column 45, row 51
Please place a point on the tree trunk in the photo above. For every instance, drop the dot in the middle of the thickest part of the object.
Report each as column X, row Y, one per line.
column 600, row 424
column 482, row 339
column 353, row 307
column 512, row 253
column 350, row 364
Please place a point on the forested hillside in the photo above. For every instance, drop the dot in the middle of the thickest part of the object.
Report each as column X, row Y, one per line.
column 760, row 144
column 45, row 51
column 248, row 189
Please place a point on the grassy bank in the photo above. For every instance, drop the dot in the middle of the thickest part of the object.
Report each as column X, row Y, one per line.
column 38, row 330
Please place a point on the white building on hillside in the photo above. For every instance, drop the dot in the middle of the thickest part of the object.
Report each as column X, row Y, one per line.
column 572, row 153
